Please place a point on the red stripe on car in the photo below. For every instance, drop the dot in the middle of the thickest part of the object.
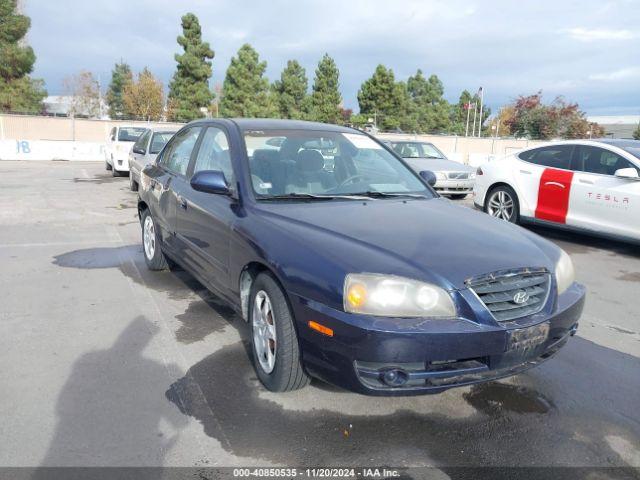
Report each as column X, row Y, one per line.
column 553, row 195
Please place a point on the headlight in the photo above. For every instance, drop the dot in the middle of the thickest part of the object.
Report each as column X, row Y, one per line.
column 472, row 175
column 441, row 175
column 565, row 275
column 391, row 296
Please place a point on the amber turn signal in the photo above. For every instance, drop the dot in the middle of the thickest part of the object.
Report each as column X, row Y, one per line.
column 320, row 328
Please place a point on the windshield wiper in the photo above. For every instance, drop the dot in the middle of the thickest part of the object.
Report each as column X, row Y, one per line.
column 311, row 196
column 376, row 194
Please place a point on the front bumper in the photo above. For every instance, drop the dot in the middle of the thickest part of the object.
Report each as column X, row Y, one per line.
column 454, row 187
column 430, row 356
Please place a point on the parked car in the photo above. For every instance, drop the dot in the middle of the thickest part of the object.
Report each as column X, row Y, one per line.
column 117, row 147
column 361, row 276
column 145, row 150
column 454, row 179
column 591, row 186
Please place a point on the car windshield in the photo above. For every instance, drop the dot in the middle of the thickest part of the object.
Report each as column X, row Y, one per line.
column 417, row 150
column 632, row 147
column 313, row 164
column 159, row 140
column 130, row 134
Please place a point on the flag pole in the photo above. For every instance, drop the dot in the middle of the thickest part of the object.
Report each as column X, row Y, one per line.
column 475, row 112
column 466, row 130
column 480, row 122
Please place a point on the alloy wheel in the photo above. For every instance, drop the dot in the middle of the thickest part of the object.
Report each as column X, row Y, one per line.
column 264, row 331
column 501, row 205
column 149, row 237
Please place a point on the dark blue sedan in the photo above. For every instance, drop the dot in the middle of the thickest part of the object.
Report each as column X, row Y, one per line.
column 347, row 265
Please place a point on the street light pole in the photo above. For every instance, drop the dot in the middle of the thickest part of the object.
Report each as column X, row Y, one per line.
column 481, row 100
column 466, row 130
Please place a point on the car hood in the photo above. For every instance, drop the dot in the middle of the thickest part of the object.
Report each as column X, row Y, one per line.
column 432, row 239
column 437, row 165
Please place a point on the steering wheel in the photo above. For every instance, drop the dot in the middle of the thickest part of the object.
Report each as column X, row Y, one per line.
column 350, row 179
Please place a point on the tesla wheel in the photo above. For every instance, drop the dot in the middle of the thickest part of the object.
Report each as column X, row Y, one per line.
column 107, row 166
column 502, row 202
column 153, row 255
column 458, row 196
column 276, row 353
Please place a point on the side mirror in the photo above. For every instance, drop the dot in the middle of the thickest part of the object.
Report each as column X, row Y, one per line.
column 139, row 150
column 627, row 173
column 210, row 181
column 429, row 177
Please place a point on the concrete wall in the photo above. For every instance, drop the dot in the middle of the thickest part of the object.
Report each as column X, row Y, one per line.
column 26, row 127
column 53, row 138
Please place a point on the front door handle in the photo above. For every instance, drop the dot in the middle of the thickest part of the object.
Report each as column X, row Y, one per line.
column 182, row 202
column 525, row 171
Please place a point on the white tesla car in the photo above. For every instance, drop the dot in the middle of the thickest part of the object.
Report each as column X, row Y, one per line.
column 588, row 185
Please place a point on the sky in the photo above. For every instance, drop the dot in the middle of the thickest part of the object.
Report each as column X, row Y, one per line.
column 586, row 50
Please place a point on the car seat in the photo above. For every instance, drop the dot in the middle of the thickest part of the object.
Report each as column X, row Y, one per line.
column 309, row 175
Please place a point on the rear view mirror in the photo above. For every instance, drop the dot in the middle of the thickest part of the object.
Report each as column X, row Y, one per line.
column 627, row 173
column 429, row 177
column 210, row 181
column 139, row 150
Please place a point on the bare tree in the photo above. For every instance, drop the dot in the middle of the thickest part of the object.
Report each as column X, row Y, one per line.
column 84, row 91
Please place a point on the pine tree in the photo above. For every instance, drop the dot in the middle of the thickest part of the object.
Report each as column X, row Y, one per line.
column 431, row 109
column 291, row 91
column 325, row 97
column 245, row 91
column 189, row 89
column 381, row 96
column 121, row 76
column 18, row 92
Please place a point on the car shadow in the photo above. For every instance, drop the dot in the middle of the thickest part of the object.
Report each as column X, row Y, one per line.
column 110, row 413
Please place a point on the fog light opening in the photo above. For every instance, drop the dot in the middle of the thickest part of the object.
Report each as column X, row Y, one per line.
column 394, row 377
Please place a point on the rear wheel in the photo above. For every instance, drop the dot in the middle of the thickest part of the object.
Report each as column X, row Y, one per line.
column 502, row 202
column 153, row 255
column 276, row 353
column 133, row 185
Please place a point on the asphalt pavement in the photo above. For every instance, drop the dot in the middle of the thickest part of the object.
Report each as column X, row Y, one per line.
column 104, row 363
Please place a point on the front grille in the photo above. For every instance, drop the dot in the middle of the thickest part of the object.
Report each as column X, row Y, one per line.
column 499, row 292
column 458, row 175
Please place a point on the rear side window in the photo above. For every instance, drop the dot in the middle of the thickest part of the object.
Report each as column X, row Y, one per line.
column 599, row 160
column 176, row 157
column 554, row 156
column 141, row 143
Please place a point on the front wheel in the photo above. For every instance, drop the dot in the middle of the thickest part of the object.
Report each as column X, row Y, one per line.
column 153, row 255
column 502, row 202
column 276, row 353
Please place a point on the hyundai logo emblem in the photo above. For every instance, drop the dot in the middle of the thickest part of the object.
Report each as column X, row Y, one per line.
column 520, row 297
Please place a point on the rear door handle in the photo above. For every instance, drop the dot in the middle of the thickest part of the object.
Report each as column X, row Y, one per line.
column 182, row 202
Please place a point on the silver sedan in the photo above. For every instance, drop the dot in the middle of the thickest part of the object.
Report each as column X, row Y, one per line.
column 454, row 179
column 145, row 151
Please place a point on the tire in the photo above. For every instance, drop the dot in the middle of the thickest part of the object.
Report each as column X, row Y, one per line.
column 286, row 372
column 153, row 255
column 107, row 166
column 458, row 196
column 115, row 173
column 133, row 185
column 501, row 195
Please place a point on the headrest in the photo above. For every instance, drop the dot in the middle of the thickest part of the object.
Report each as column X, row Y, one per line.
column 265, row 154
column 309, row 161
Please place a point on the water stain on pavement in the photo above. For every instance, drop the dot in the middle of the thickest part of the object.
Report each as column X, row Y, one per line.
column 205, row 314
column 222, row 393
column 494, row 398
column 97, row 179
column 629, row 276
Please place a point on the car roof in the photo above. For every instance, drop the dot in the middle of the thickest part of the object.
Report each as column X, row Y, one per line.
column 619, row 142
column 411, row 141
column 246, row 124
